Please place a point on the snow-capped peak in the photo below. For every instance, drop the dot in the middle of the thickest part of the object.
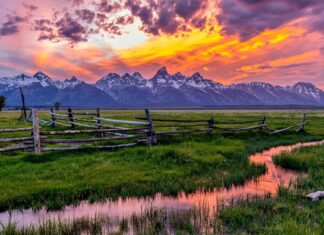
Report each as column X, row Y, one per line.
column 21, row 80
column 41, row 75
column 22, row 76
column 71, row 83
column 307, row 89
column 138, row 76
column 163, row 72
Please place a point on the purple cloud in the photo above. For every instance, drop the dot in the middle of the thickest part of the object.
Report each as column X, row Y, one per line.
column 167, row 16
column 70, row 29
column 108, row 7
column 188, row 8
column 65, row 28
column 10, row 26
column 86, row 15
column 248, row 18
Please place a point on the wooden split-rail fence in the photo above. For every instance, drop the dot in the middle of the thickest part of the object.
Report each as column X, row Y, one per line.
column 86, row 128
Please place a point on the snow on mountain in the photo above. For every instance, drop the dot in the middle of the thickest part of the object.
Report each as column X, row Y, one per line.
column 38, row 78
column 307, row 90
column 163, row 89
column 196, row 90
column 19, row 81
column 41, row 90
column 200, row 82
column 299, row 94
column 69, row 83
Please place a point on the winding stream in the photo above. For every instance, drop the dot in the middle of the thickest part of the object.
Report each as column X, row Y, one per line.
column 267, row 183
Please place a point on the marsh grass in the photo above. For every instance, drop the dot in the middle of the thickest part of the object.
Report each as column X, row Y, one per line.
column 290, row 212
column 198, row 220
column 55, row 227
column 185, row 163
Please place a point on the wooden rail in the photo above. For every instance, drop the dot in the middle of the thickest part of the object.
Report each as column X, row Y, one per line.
column 89, row 140
column 240, row 122
column 171, row 120
column 123, row 122
column 16, row 130
column 141, row 131
column 110, row 147
column 301, row 125
column 13, row 140
column 243, row 128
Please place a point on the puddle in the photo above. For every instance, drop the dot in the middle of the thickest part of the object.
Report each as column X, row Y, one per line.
column 267, row 183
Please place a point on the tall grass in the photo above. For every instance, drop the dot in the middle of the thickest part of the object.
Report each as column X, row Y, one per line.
column 198, row 220
column 184, row 163
column 58, row 226
column 289, row 213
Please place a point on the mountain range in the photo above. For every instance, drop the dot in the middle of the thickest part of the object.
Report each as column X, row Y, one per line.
column 163, row 90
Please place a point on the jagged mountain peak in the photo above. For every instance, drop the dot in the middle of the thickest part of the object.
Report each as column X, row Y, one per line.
column 71, row 83
column 162, row 72
column 197, row 77
column 307, row 90
column 305, row 85
column 72, row 79
column 111, row 76
column 138, row 76
column 127, row 75
column 22, row 76
column 197, row 74
column 163, row 89
column 179, row 76
column 41, row 75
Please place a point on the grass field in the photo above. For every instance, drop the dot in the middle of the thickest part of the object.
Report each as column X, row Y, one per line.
column 175, row 164
column 290, row 212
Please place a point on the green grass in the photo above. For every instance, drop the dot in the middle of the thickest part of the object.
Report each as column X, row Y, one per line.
column 55, row 227
column 175, row 164
column 198, row 220
column 290, row 212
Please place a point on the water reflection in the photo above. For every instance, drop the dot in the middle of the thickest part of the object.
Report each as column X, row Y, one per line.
column 267, row 183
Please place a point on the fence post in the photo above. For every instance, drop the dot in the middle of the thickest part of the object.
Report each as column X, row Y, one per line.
column 99, row 122
column 23, row 109
column 36, row 133
column 304, row 122
column 211, row 123
column 52, row 118
column 70, row 117
column 151, row 134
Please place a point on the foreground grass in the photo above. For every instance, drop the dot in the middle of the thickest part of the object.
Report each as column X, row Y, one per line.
column 290, row 212
column 198, row 220
column 177, row 164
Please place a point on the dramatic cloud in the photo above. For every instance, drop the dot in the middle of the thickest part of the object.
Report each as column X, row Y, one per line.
column 248, row 18
column 168, row 16
column 278, row 41
column 86, row 15
column 71, row 29
column 106, row 6
column 187, row 8
column 65, row 28
column 10, row 26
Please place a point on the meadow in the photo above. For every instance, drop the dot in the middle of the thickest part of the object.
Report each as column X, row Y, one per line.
column 175, row 164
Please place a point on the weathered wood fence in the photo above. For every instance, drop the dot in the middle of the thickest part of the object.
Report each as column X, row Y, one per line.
column 113, row 133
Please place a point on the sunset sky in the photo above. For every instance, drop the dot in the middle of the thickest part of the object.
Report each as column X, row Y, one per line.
column 229, row 41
